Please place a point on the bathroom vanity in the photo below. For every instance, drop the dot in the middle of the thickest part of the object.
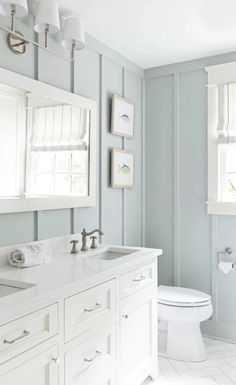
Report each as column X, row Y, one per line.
column 88, row 319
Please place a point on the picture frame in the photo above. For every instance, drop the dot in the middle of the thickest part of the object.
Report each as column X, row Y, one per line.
column 122, row 168
column 123, row 117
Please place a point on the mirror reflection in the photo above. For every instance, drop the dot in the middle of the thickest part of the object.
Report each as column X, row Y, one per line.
column 44, row 146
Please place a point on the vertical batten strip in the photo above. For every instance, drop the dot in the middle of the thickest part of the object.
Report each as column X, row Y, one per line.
column 214, row 266
column 176, row 181
column 123, row 148
column 36, row 77
column 143, row 174
column 72, row 77
column 36, row 58
column 36, row 226
column 72, row 89
column 72, row 221
column 100, row 137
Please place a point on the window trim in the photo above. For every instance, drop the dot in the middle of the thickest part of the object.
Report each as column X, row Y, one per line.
column 217, row 75
column 28, row 203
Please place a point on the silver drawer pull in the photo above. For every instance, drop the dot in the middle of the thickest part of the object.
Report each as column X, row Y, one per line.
column 141, row 278
column 125, row 316
column 96, row 355
column 10, row 342
column 97, row 306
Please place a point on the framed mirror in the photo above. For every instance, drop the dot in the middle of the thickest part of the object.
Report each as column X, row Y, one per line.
column 47, row 146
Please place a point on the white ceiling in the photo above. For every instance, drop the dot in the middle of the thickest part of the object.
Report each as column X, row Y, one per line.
column 157, row 32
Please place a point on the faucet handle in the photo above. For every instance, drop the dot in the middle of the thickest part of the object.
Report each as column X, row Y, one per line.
column 94, row 244
column 74, row 249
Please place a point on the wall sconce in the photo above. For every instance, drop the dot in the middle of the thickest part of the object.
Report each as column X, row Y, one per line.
column 74, row 38
column 47, row 21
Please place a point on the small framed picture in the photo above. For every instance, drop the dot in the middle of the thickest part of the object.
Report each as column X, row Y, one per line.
column 122, row 121
column 122, row 168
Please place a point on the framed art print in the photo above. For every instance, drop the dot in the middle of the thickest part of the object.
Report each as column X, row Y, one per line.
column 122, row 122
column 122, row 168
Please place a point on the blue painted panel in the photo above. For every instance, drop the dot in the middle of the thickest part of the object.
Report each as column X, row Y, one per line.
column 195, row 226
column 159, row 173
column 54, row 223
column 111, row 199
column 16, row 228
column 133, row 197
column 87, row 83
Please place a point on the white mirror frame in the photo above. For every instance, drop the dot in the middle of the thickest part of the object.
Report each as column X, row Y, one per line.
column 21, row 204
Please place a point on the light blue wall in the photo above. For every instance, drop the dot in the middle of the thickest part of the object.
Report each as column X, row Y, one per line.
column 98, row 73
column 176, row 189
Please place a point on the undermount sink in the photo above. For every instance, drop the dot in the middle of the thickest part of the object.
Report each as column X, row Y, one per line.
column 8, row 287
column 114, row 253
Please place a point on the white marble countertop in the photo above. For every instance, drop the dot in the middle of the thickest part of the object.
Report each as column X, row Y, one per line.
column 66, row 274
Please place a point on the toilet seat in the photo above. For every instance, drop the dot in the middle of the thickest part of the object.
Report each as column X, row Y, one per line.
column 182, row 297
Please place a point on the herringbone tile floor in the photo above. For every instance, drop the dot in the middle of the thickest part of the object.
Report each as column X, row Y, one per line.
column 219, row 369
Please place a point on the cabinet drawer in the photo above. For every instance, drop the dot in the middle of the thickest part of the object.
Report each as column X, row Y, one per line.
column 28, row 331
column 137, row 279
column 85, row 310
column 106, row 376
column 35, row 369
column 87, row 359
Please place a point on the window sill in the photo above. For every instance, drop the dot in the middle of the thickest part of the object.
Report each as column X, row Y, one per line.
column 221, row 208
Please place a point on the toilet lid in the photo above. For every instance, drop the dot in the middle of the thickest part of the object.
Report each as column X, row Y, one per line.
column 180, row 296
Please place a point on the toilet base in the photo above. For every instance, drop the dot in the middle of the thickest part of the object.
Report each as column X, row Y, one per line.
column 181, row 341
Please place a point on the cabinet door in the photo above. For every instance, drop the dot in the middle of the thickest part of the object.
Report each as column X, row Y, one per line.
column 138, row 338
column 42, row 369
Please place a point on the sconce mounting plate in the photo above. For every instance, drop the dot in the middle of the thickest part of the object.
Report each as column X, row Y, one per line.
column 16, row 44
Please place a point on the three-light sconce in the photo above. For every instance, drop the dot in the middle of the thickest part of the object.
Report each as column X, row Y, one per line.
column 46, row 22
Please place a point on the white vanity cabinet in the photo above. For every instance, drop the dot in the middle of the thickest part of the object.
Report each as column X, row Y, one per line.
column 138, row 338
column 138, row 325
column 102, row 335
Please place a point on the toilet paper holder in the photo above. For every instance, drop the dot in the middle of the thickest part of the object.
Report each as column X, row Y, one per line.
column 227, row 251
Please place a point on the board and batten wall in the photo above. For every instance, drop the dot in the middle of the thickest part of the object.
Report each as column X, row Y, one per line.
column 98, row 72
column 176, row 189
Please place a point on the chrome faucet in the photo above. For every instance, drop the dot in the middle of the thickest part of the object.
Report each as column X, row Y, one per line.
column 85, row 235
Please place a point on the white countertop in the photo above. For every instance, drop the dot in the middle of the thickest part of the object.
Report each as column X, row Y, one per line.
column 65, row 274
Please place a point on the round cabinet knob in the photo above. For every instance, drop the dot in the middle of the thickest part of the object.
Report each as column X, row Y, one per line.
column 56, row 360
column 125, row 316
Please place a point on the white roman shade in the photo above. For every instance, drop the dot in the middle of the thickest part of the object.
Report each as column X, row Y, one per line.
column 226, row 125
column 58, row 128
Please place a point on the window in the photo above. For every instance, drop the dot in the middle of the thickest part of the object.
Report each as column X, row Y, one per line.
column 227, row 172
column 222, row 139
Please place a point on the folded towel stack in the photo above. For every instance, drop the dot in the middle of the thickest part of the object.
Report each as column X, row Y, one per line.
column 30, row 255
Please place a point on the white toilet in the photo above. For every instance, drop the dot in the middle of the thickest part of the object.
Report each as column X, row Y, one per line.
column 180, row 312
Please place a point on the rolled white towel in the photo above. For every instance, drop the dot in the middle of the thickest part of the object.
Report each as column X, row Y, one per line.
column 30, row 255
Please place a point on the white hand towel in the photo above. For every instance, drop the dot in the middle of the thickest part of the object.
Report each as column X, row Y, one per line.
column 30, row 255
column 226, row 267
